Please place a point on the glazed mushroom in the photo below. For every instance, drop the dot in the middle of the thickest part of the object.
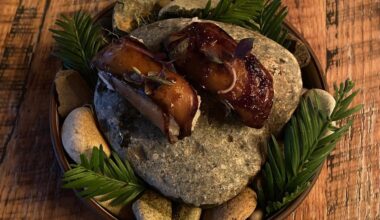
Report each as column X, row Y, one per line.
column 157, row 92
column 212, row 59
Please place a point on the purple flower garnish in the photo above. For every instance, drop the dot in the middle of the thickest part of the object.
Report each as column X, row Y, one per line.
column 243, row 48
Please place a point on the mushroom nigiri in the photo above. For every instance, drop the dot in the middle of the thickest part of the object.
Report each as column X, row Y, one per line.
column 156, row 91
column 212, row 59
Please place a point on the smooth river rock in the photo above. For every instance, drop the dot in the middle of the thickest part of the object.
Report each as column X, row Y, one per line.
column 238, row 208
column 323, row 99
column 186, row 212
column 208, row 168
column 72, row 91
column 152, row 206
column 220, row 157
column 128, row 14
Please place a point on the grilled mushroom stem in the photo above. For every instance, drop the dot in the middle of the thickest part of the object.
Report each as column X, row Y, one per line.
column 212, row 59
column 160, row 94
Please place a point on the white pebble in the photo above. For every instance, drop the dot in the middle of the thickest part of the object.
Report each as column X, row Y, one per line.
column 325, row 100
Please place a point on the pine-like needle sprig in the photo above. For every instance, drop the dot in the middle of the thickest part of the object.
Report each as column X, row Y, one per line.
column 239, row 12
column 270, row 21
column 110, row 178
column 307, row 143
column 264, row 16
column 78, row 40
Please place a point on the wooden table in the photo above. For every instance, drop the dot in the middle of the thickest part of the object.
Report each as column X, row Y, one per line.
column 345, row 35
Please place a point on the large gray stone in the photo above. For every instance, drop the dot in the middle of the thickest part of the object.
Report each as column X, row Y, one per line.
column 219, row 159
column 114, row 113
column 208, row 168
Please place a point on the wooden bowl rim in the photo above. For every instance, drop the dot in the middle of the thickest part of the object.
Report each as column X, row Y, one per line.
column 64, row 164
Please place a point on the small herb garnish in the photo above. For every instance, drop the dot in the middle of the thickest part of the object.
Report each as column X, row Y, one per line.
column 136, row 70
column 160, row 80
column 78, row 40
column 306, row 145
column 109, row 178
column 243, row 48
column 157, row 77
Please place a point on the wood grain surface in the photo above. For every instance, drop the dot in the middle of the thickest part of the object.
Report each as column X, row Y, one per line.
column 345, row 35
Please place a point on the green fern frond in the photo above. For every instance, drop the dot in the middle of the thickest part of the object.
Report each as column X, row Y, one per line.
column 306, row 146
column 78, row 40
column 111, row 179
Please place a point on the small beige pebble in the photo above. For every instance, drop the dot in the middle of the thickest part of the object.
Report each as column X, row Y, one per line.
column 80, row 134
column 325, row 99
column 72, row 91
column 121, row 211
column 129, row 13
column 187, row 212
column 152, row 206
column 238, row 208
column 258, row 214
column 299, row 50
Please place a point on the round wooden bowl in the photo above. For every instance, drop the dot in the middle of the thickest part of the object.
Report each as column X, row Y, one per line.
column 312, row 76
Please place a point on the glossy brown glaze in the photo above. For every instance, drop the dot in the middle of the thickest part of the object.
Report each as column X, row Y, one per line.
column 206, row 54
column 129, row 60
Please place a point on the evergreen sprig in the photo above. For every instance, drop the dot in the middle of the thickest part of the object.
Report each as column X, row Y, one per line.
column 309, row 137
column 110, row 178
column 239, row 12
column 78, row 40
column 264, row 16
column 271, row 19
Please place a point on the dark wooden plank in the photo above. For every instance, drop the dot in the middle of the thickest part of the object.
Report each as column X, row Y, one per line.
column 349, row 46
column 353, row 50
column 30, row 185
column 18, row 40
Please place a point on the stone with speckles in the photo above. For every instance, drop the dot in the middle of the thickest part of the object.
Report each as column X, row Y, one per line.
column 220, row 157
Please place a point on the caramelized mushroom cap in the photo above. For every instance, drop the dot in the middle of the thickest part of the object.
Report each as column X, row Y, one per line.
column 130, row 61
column 210, row 58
